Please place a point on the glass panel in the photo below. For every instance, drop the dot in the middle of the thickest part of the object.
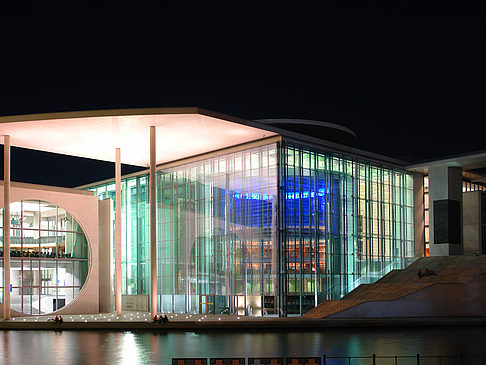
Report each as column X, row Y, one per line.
column 16, row 215
column 48, row 216
column 25, row 302
column 16, row 242
column 65, row 273
column 69, row 223
column 61, row 219
column 15, row 276
column 48, row 243
column 31, row 214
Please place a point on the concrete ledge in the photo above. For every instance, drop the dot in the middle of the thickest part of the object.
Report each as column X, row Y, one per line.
column 270, row 325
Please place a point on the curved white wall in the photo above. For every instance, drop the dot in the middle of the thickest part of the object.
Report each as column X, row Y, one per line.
column 83, row 205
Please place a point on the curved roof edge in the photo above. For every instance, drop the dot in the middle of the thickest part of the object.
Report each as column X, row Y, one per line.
column 318, row 123
column 96, row 133
column 119, row 113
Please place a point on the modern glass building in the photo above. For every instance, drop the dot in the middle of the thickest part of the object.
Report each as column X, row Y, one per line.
column 272, row 229
column 266, row 217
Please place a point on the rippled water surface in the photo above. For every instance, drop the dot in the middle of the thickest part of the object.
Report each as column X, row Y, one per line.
column 107, row 347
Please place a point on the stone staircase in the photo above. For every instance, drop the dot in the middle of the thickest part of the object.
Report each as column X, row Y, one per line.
column 330, row 307
column 400, row 283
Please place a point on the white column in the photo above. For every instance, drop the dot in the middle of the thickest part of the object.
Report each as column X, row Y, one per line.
column 418, row 214
column 118, row 283
column 6, row 227
column 153, row 227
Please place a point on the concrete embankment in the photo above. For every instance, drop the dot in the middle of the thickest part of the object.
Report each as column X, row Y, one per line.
column 267, row 325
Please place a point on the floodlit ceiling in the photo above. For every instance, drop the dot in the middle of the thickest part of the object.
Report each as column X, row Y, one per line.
column 181, row 133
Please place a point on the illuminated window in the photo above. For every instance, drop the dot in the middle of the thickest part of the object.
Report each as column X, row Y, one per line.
column 49, row 257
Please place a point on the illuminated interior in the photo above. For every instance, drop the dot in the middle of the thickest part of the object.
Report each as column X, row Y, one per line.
column 48, row 257
column 271, row 230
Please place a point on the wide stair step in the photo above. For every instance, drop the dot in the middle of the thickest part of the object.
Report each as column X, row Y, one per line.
column 331, row 307
column 386, row 291
column 400, row 283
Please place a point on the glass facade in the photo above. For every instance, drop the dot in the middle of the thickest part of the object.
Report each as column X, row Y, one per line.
column 217, row 229
column 135, row 240
column 271, row 230
column 48, row 257
column 346, row 222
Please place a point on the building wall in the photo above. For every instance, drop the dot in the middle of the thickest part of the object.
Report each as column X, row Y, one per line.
column 273, row 229
column 84, row 208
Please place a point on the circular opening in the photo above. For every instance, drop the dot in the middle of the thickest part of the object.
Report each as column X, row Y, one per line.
column 48, row 257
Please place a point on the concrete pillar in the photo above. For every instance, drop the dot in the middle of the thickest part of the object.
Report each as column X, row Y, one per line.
column 105, row 252
column 445, row 207
column 118, row 268
column 471, row 217
column 418, row 214
column 153, row 225
column 6, row 227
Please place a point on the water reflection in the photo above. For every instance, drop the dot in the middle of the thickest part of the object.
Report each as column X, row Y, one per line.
column 85, row 347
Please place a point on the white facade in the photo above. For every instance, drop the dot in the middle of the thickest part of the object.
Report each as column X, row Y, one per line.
column 83, row 206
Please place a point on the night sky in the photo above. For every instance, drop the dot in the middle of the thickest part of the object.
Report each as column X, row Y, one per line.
column 411, row 86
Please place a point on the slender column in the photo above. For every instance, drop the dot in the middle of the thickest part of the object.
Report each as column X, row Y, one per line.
column 153, row 227
column 418, row 214
column 118, row 268
column 6, row 227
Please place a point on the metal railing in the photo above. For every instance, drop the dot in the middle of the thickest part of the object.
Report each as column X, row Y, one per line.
column 405, row 359
column 416, row 359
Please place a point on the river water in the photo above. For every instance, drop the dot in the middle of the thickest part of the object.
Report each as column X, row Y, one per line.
column 109, row 347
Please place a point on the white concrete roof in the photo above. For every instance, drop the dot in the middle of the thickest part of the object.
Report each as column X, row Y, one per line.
column 181, row 132
column 467, row 161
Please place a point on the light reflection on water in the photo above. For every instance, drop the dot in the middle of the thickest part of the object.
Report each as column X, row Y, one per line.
column 108, row 347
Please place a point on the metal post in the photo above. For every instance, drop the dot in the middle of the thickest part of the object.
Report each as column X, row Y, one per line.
column 6, row 227
column 418, row 359
column 153, row 226
column 118, row 268
column 374, row 359
column 324, row 359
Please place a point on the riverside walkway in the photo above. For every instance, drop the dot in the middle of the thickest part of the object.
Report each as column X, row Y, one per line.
column 211, row 322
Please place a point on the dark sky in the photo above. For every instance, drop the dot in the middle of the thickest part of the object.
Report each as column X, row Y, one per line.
column 410, row 83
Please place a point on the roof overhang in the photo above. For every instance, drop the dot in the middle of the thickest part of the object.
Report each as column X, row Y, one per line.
column 180, row 133
column 467, row 162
